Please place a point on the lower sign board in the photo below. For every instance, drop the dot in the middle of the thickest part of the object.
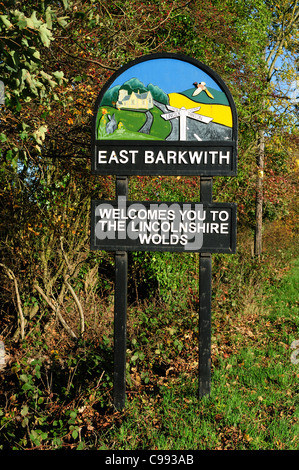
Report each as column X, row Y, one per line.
column 124, row 225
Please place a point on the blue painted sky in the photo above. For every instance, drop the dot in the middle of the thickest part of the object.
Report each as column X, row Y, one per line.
column 171, row 75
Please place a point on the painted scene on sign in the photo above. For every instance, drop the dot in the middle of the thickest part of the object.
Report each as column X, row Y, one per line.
column 164, row 99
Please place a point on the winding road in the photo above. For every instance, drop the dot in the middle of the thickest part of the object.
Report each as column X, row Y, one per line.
column 146, row 128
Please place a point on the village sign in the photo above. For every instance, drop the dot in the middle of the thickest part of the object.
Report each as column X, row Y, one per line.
column 171, row 115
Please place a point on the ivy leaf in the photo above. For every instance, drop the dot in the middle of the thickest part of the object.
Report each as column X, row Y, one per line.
column 39, row 134
column 61, row 21
column 59, row 75
column 6, row 21
column 45, row 35
column 15, row 58
column 24, row 410
column 49, row 17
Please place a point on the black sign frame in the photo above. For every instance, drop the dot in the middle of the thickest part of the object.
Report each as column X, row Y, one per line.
column 206, row 166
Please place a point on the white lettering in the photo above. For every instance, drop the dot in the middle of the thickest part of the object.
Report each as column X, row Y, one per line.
column 113, row 157
column 224, row 229
column 182, row 213
column 144, row 238
column 223, row 216
column 224, row 157
column 142, row 214
column 181, row 157
column 160, row 158
column 213, row 153
column 123, row 156
column 166, row 224
column 102, row 156
column 157, row 239
column 132, row 214
column 195, row 158
column 171, row 156
column 214, row 228
column 167, row 157
column 149, row 156
column 116, row 460
column 133, row 153
column 191, row 215
column 104, row 212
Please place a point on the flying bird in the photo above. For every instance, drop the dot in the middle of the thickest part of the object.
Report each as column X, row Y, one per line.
column 201, row 87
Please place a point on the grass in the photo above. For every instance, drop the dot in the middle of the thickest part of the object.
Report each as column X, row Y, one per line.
column 132, row 121
column 246, row 411
column 253, row 403
column 160, row 128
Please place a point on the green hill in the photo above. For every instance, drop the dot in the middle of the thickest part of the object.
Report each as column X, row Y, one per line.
column 134, row 84
column 110, row 96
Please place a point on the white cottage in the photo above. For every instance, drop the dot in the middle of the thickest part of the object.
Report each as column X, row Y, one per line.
column 134, row 100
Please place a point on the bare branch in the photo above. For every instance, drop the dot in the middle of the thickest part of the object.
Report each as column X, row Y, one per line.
column 97, row 62
column 78, row 303
column 56, row 310
column 21, row 317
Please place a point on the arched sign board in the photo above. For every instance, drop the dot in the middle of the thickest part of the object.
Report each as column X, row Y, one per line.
column 165, row 114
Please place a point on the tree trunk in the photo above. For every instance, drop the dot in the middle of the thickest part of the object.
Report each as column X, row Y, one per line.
column 259, row 195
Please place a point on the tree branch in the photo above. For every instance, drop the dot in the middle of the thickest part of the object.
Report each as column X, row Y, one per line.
column 21, row 317
column 87, row 60
column 56, row 310
column 78, row 303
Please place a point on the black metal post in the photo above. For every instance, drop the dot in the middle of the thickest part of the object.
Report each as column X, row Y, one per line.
column 120, row 313
column 205, row 281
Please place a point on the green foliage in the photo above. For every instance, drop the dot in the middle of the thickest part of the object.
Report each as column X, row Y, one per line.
column 27, row 424
column 175, row 274
column 25, row 80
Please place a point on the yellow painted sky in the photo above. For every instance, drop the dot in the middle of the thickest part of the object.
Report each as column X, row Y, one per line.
column 221, row 114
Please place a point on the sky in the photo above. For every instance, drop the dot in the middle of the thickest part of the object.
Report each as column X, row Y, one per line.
column 171, row 75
